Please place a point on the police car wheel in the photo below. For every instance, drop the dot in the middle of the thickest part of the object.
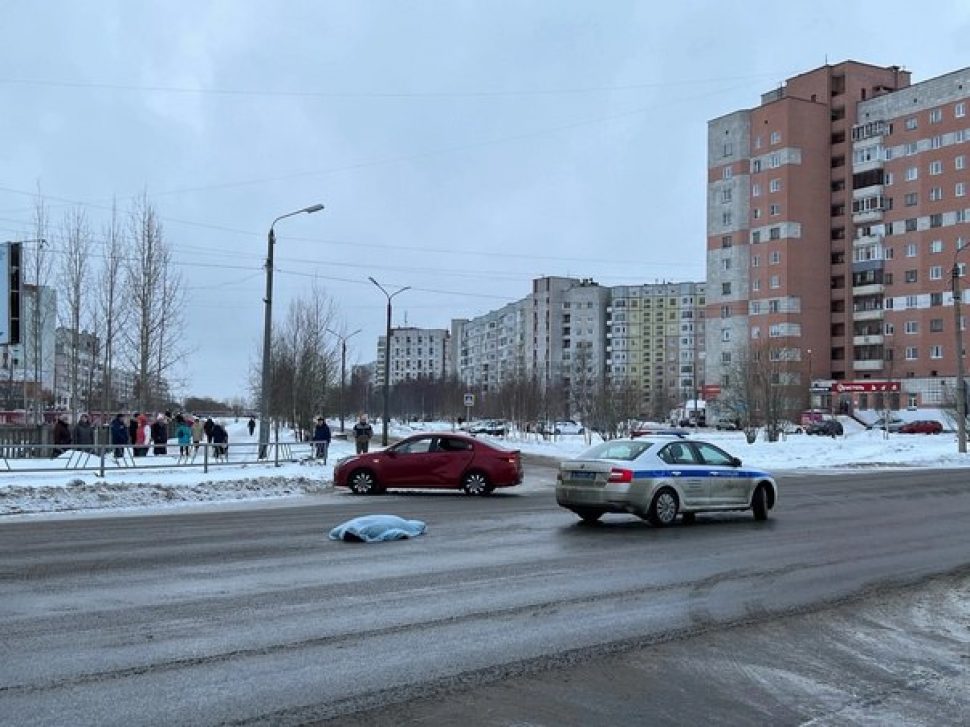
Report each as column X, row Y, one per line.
column 759, row 503
column 663, row 509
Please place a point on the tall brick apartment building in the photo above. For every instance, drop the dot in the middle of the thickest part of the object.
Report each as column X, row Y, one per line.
column 836, row 210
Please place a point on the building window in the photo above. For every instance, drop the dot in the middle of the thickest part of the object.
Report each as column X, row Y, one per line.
column 728, row 149
column 960, row 189
column 755, row 331
column 936, row 351
column 726, row 218
column 726, row 264
column 936, row 220
column 725, row 335
column 911, row 249
column 936, row 167
column 910, row 276
column 936, row 246
column 960, row 162
column 912, row 173
column 936, row 142
column 936, row 325
column 936, row 299
column 756, row 285
column 912, row 327
column 775, row 257
column 725, row 357
column 756, row 213
column 936, row 116
column 774, row 185
column 725, row 289
column 911, row 199
column 775, row 137
column 774, row 233
column 910, row 224
column 911, row 353
column 756, row 190
column 774, row 161
column 774, row 281
column 775, row 210
column 755, row 166
column 725, row 311
column 725, row 195
column 774, row 306
column 727, row 173
column 911, row 123
column 936, row 194
column 960, row 110
column 756, row 237
column 911, row 301
column 756, row 261
column 911, row 149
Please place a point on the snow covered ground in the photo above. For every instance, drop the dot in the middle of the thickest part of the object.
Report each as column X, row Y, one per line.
column 24, row 493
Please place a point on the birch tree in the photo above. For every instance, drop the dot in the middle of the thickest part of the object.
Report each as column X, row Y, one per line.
column 154, row 336
column 75, row 249
column 110, row 314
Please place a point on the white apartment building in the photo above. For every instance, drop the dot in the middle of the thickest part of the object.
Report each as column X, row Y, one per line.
column 31, row 362
column 416, row 353
column 491, row 349
column 85, row 348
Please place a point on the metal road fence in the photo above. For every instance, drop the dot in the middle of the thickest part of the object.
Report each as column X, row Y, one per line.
column 101, row 458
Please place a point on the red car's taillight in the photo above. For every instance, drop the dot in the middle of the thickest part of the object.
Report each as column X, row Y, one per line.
column 621, row 475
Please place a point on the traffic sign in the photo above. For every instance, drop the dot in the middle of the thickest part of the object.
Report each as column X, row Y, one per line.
column 469, row 400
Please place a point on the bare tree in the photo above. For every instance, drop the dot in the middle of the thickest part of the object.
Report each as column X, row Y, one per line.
column 155, row 293
column 111, row 314
column 75, row 248
column 763, row 388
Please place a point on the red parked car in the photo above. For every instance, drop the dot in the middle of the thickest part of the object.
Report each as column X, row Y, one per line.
column 921, row 426
column 432, row 460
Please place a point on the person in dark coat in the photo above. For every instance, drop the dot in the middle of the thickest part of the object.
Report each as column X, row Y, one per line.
column 362, row 434
column 321, row 438
column 207, row 428
column 119, row 434
column 84, row 434
column 251, row 425
column 160, row 435
column 62, row 436
column 220, row 438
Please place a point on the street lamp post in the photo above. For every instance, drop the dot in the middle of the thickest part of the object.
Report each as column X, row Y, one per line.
column 387, row 356
column 810, row 392
column 264, row 393
column 37, row 341
column 961, row 374
column 343, row 369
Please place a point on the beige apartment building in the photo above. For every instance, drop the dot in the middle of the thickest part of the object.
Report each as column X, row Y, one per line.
column 836, row 209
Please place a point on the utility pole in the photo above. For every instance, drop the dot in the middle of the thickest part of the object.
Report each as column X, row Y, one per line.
column 961, row 374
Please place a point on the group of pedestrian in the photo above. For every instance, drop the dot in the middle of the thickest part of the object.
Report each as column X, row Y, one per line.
column 134, row 431
column 81, row 435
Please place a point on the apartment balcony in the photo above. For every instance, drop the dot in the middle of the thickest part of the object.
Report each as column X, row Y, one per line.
column 866, row 216
column 874, row 364
column 873, row 339
column 864, row 240
column 873, row 314
column 868, row 289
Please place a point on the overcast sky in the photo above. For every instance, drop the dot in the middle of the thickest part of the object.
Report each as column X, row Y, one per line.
column 460, row 148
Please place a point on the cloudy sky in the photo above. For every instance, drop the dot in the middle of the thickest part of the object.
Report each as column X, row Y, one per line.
column 461, row 148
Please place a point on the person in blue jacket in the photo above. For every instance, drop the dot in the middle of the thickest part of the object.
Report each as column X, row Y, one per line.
column 321, row 439
column 119, row 434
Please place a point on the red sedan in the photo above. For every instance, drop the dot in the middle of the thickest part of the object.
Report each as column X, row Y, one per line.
column 921, row 426
column 432, row 460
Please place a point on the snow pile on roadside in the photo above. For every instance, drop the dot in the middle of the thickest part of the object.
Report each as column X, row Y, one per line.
column 96, row 494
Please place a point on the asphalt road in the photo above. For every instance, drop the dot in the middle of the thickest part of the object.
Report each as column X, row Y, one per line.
column 508, row 612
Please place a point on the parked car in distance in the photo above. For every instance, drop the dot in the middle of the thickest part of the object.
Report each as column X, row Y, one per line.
column 494, row 427
column 727, row 423
column 894, row 423
column 657, row 478
column 921, row 426
column 827, row 428
column 432, row 460
column 568, row 426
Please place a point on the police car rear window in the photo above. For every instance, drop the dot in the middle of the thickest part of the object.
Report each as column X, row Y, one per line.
column 617, row 450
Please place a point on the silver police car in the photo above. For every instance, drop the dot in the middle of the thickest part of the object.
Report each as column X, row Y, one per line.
column 657, row 478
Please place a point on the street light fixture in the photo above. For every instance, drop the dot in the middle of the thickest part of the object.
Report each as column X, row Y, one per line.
column 264, row 394
column 343, row 369
column 961, row 374
column 387, row 356
column 37, row 340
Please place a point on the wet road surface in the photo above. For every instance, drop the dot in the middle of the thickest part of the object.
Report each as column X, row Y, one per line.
column 251, row 616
